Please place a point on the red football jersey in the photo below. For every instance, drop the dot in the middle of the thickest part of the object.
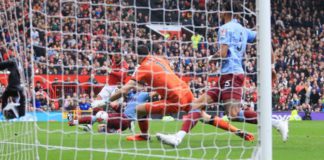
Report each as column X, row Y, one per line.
column 118, row 75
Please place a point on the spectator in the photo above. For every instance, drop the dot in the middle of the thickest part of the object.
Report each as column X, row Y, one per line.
column 298, row 40
column 294, row 102
column 38, row 86
column 69, row 104
column 84, row 104
column 40, row 102
column 314, row 98
column 195, row 39
column 54, row 105
column 92, row 79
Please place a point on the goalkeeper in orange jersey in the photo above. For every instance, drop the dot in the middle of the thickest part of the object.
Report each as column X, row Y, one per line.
column 155, row 72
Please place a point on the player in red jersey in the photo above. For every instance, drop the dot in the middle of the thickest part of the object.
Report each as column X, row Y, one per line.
column 117, row 76
column 119, row 70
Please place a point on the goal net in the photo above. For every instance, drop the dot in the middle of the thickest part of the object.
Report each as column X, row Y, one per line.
column 18, row 136
column 75, row 51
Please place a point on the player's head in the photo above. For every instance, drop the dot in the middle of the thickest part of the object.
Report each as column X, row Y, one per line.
column 142, row 52
column 230, row 8
column 117, row 58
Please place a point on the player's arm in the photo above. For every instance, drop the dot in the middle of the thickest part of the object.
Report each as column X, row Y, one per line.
column 131, row 84
column 224, row 41
column 251, row 38
column 273, row 61
column 223, row 50
column 7, row 64
column 122, row 72
column 135, row 83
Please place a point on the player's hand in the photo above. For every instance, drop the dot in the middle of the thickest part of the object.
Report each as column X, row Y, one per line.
column 10, row 111
column 274, row 76
column 99, row 103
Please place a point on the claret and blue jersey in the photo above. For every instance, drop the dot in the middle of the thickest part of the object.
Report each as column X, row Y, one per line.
column 134, row 99
column 236, row 37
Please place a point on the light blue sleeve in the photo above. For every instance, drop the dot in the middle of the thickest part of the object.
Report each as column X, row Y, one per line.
column 251, row 35
column 224, row 35
column 144, row 96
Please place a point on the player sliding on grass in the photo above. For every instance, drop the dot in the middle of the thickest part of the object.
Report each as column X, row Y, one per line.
column 155, row 71
column 117, row 76
column 233, row 39
column 17, row 107
column 117, row 122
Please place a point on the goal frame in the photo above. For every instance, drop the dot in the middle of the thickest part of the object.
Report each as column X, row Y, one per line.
column 264, row 146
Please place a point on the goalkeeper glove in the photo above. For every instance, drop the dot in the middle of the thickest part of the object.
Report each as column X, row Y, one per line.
column 10, row 111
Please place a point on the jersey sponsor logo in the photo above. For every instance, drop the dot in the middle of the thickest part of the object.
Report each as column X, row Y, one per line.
column 223, row 32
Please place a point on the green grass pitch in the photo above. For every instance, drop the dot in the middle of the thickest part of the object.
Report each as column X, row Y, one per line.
column 305, row 143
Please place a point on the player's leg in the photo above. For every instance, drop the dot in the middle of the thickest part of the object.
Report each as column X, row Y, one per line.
column 143, row 110
column 105, row 92
column 86, row 119
column 22, row 101
column 232, row 89
column 116, row 123
column 143, row 122
column 215, row 94
column 237, row 114
column 189, row 120
column 220, row 123
column 103, row 97
column 228, row 89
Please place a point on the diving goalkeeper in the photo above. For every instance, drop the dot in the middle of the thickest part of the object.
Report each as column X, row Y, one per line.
column 14, row 92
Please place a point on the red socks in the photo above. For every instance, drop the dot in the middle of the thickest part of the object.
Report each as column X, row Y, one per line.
column 190, row 120
column 251, row 117
column 143, row 125
column 85, row 120
column 220, row 123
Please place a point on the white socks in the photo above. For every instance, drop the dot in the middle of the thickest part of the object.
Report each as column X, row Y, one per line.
column 275, row 123
column 181, row 134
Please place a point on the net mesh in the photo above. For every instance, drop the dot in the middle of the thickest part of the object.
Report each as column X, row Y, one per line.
column 17, row 138
column 71, row 47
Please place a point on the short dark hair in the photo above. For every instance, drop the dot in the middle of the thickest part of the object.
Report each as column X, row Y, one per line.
column 142, row 50
column 231, row 5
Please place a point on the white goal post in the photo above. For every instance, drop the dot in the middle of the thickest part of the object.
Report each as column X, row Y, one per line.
column 263, row 11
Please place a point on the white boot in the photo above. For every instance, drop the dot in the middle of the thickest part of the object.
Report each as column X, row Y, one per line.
column 169, row 139
column 86, row 128
column 282, row 127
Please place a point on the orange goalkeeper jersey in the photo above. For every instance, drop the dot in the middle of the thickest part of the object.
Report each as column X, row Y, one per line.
column 157, row 73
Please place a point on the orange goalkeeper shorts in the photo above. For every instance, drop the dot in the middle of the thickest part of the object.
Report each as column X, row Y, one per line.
column 170, row 105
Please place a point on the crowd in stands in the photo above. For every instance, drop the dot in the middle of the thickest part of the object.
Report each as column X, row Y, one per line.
column 79, row 37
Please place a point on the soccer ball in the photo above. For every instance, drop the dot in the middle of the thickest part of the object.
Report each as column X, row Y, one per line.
column 102, row 117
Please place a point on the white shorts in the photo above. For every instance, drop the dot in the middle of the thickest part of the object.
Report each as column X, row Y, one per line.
column 108, row 91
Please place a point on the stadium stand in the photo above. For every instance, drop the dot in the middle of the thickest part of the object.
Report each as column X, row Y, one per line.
column 297, row 32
